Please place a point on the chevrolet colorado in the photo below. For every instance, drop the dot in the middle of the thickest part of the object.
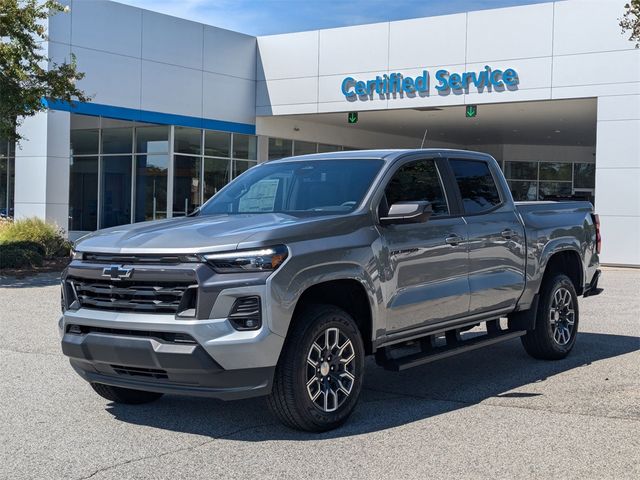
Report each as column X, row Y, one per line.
column 288, row 277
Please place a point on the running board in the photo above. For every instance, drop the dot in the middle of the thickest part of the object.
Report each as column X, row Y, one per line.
column 452, row 348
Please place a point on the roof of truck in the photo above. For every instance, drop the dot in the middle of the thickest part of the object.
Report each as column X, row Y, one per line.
column 388, row 155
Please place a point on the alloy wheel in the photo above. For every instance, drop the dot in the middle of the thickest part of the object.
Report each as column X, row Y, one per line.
column 562, row 316
column 330, row 370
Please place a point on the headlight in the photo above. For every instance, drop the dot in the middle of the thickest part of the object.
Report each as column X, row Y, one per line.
column 76, row 255
column 258, row 260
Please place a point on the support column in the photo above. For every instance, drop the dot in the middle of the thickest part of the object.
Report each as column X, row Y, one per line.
column 42, row 168
column 618, row 178
column 263, row 148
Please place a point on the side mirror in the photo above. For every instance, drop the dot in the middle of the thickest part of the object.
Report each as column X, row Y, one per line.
column 407, row 212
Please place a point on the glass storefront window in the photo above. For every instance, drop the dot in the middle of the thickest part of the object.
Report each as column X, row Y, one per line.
column 83, row 194
column 84, row 142
column 117, row 140
column 116, row 191
column 188, row 140
column 280, row 148
column 245, row 146
column 555, row 171
column 584, row 175
column 521, row 170
column 303, row 148
column 323, row 148
column 523, row 190
column 216, row 176
column 186, row 185
column 152, row 140
column 151, row 187
column 217, row 144
column 555, row 190
column 241, row 166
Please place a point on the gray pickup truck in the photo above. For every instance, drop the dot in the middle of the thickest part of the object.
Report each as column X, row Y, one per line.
column 287, row 278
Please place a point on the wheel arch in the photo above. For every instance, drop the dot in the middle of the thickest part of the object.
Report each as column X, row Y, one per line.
column 349, row 294
column 567, row 261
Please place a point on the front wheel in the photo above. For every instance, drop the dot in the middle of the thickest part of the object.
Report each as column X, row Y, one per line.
column 319, row 376
column 556, row 320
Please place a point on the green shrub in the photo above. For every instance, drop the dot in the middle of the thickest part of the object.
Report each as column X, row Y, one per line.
column 12, row 256
column 35, row 231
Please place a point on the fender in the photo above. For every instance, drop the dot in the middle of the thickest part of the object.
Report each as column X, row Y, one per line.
column 286, row 296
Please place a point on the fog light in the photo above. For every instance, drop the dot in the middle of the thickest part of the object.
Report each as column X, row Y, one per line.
column 246, row 313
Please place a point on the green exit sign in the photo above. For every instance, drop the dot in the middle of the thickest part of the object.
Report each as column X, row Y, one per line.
column 352, row 117
column 471, row 111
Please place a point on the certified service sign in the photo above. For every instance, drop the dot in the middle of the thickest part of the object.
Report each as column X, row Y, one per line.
column 445, row 81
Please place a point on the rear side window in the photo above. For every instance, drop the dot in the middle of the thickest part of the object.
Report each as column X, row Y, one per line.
column 418, row 181
column 477, row 187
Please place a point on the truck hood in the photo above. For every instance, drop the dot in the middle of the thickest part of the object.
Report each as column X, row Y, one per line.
column 207, row 233
column 210, row 233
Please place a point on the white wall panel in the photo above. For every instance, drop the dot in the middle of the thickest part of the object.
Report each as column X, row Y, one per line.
column 59, row 28
column 517, row 32
column 287, row 92
column 110, row 79
column 362, row 48
column 427, row 41
column 229, row 53
column 588, row 26
column 620, row 239
column 288, row 56
column 602, row 90
column 619, row 107
column 618, row 191
column 228, row 98
column 171, row 40
column 597, row 68
column 109, row 26
column 618, row 143
column 171, row 89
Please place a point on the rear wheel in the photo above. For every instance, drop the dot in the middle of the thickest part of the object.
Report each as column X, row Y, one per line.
column 319, row 376
column 124, row 395
column 556, row 321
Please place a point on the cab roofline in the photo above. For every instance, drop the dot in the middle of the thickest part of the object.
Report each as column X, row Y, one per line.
column 386, row 154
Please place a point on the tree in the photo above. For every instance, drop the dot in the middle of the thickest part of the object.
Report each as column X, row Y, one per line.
column 26, row 74
column 630, row 21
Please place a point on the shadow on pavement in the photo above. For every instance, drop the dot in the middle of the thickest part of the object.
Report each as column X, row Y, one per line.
column 389, row 399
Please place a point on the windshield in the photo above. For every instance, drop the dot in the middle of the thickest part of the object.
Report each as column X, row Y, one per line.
column 297, row 187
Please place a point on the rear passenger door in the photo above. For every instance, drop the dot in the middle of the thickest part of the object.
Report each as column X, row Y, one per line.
column 424, row 278
column 496, row 235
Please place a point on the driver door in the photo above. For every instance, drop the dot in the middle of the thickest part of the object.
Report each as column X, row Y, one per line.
column 425, row 279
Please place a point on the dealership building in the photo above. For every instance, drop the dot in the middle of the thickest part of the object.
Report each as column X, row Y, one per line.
column 179, row 108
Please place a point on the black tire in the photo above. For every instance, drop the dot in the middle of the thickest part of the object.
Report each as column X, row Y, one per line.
column 546, row 341
column 296, row 380
column 124, row 395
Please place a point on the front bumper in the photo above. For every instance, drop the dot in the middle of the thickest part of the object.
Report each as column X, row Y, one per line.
column 140, row 351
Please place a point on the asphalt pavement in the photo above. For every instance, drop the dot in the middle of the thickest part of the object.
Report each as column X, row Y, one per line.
column 492, row 413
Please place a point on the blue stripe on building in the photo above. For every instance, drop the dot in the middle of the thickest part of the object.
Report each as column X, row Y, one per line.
column 146, row 116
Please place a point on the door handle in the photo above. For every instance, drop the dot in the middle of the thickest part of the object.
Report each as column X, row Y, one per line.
column 508, row 233
column 454, row 239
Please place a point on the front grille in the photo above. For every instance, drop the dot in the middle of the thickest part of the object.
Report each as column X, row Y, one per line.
column 132, row 296
column 112, row 258
column 140, row 372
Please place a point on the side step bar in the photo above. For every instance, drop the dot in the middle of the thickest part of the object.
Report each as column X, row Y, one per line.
column 453, row 347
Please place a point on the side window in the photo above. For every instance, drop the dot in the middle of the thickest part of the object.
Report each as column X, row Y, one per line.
column 417, row 181
column 476, row 184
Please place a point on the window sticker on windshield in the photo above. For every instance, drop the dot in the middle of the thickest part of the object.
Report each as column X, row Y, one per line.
column 261, row 197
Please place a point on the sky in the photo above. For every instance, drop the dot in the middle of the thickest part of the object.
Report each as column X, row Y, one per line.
column 266, row 17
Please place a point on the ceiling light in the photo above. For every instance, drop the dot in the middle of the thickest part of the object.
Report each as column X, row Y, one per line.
column 556, row 131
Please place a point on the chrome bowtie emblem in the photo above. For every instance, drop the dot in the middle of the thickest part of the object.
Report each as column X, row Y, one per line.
column 116, row 272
